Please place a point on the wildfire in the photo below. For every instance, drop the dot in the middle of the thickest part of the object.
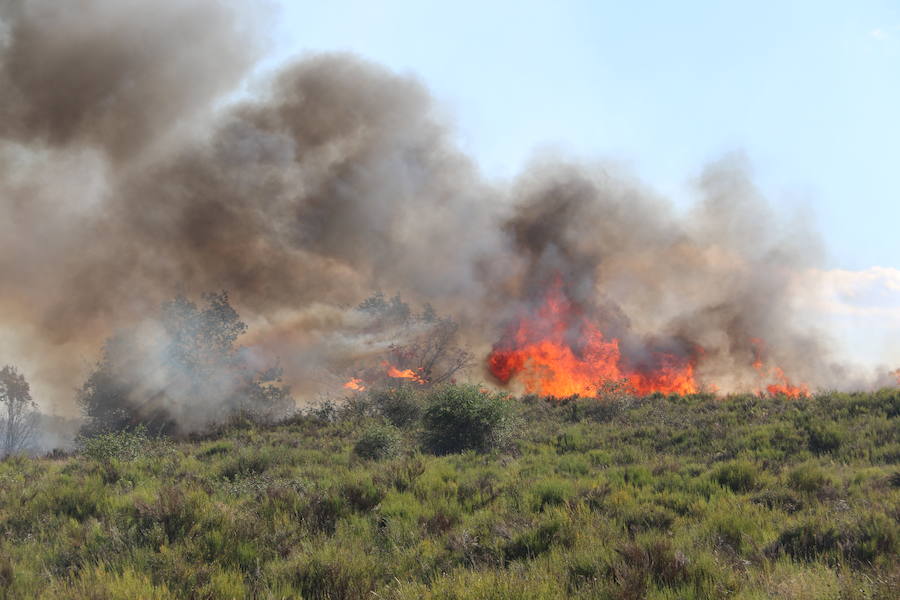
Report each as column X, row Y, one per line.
column 359, row 385
column 355, row 384
column 897, row 375
column 781, row 384
column 396, row 373
column 558, row 351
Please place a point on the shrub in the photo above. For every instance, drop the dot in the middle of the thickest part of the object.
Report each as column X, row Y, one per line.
column 642, row 517
column 466, row 417
column 863, row 542
column 807, row 541
column 734, row 528
column 784, row 500
column 402, row 406
column 248, row 462
column 871, row 537
column 119, row 445
column 656, row 559
column 740, row 476
column 378, row 442
column 824, row 438
column 600, row 410
column 808, row 478
column 551, row 493
column 571, row 440
column 539, row 540
column 361, row 494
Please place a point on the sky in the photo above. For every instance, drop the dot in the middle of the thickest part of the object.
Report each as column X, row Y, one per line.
column 806, row 92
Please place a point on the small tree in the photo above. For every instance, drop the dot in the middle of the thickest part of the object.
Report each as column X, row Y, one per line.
column 424, row 343
column 186, row 376
column 18, row 421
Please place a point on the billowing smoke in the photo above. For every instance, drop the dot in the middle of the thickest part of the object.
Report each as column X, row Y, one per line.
column 129, row 174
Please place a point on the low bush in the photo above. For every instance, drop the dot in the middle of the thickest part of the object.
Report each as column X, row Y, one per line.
column 825, row 438
column 119, row 445
column 809, row 479
column 378, row 442
column 466, row 417
column 538, row 540
column 739, row 476
column 401, row 406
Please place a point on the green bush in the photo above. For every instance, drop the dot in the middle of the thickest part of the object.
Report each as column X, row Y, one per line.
column 119, row 445
column 809, row 479
column 361, row 494
column 807, row 541
column 378, row 442
column 739, row 476
column 538, row 540
column 597, row 409
column 402, row 405
column 866, row 540
column 551, row 493
column 466, row 417
column 825, row 438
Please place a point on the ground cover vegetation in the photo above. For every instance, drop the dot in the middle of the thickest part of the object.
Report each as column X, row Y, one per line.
column 460, row 492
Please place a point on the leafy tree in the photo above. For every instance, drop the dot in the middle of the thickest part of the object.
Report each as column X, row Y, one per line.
column 183, row 375
column 18, row 414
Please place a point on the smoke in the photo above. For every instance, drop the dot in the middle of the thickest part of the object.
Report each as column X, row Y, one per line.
column 129, row 174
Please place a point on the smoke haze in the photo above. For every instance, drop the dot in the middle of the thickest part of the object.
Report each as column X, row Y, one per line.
column 126, row 177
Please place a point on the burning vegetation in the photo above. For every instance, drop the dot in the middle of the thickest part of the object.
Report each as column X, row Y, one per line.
column 557, row 350
column 335, row 177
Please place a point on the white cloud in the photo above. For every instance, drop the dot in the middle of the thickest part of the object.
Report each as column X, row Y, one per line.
column 859, row 309
column 872, row 292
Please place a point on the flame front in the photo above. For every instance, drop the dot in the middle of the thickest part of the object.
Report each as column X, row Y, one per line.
column 780, row 385
column 558, row 351
column 355, row 384
column 396, row 373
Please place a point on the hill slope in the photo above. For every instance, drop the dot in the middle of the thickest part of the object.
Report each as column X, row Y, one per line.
column 661, row 497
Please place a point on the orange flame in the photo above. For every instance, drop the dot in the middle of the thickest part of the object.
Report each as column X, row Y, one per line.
column 897, row 375
column 396, row 373
column 782, row 385
column 355, row 384
column 559, row 352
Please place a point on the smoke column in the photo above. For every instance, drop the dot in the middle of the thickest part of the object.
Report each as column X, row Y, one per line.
column 127, row 177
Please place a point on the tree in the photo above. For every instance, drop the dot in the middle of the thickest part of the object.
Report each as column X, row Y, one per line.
column 424, row 343
column 18, row 420
column 180, row 374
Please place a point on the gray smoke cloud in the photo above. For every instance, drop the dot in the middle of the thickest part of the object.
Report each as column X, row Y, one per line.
column 126, row 176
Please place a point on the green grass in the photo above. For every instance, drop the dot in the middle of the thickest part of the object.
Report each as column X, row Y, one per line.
column 662, row 497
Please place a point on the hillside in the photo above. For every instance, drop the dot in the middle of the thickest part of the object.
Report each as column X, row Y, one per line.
column 657, row 497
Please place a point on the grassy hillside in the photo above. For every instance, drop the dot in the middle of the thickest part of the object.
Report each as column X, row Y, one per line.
column 661, row 497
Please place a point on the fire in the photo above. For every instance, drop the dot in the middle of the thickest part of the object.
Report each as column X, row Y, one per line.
column 355, row 384
column 781, row 384
column 897, row 375
column 376, row 376
column 558, row 351
column 396, row 373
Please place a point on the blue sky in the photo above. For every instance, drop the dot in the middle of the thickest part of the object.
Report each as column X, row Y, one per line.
column 807, row 91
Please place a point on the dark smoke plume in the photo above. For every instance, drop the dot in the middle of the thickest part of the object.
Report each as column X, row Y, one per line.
column 126, row 178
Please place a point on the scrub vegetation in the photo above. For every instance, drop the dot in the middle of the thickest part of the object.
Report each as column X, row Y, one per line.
column 459, row 492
